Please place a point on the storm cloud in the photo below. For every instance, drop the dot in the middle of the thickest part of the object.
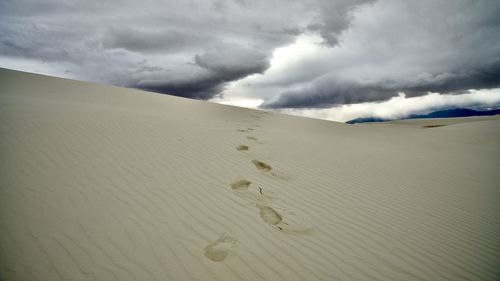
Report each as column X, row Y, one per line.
column 394, row 47
column 285, row 53
column 186, row 48
column 331, row 90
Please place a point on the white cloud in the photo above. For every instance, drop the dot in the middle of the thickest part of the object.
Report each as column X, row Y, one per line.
column 241, row 102
column 402, row 106
column 284, row 63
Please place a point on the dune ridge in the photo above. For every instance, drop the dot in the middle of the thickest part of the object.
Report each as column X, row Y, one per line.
column 105, row 183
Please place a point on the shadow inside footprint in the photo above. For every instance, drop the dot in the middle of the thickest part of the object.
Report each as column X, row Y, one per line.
column 269, row 215
column 242, row 130
column 242, row 147
column 220, row 248
column 433, row 126
column 240, row 185
column 251, row 138
column 261, row 166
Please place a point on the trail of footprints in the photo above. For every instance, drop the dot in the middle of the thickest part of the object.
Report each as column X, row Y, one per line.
column 219, row 249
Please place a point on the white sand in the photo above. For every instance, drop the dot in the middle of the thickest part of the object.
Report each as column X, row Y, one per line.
column 104, row 183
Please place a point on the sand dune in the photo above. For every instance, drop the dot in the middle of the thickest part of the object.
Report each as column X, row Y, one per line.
column 104, row 183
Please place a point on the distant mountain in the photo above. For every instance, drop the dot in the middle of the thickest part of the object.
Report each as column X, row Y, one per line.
column 366, row 120
column 449, row 113
column 457, row 112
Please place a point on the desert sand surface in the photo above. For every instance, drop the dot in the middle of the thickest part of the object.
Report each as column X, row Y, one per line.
column 104, row 183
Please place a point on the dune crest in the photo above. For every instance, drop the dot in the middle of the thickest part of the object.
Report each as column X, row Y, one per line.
column 105, row 183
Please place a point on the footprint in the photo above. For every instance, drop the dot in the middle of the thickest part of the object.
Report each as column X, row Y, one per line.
column 261, row 166
column 293, row 224
column 249, row 195
column 433, row 126
column 242, row 147
column 251, row 138
column 240, row 185
column 219, row 249
column 269, row 215
column 242, row 130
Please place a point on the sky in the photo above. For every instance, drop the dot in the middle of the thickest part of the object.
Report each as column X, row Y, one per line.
column 329, row 59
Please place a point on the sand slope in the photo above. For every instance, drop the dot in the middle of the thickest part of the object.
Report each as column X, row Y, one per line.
column 103, row 183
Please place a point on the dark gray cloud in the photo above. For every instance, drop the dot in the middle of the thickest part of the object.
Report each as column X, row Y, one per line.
column 154, row 41
column 395, row 46
column 185, row 48
column 335, row 18
column 371, row 49
column 330, row 91
column 203, row 86
column 210, row 71
column 233, row 61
